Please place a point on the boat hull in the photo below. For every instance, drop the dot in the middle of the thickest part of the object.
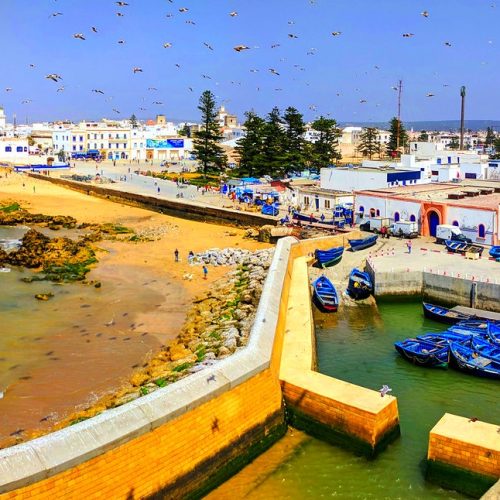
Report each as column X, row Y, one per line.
column 413, row 350
column 442, row 314
column 325, row 295
column 360, row 285
column 469, row 361
column 361, row 244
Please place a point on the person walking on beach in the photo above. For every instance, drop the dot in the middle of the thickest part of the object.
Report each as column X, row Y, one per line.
column 176, row 255
column 205, row 272
column 408, row 245
column 190, row 257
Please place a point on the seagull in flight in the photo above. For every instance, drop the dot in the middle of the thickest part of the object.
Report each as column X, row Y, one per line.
column 122, row 4
column 233, row 13
column 55, row 14
column 8, row 89
column 239, row 48
column 167, row 45
column 291, row 35
column 429, row 94
column 94, row 29
column 208, row 46
column 98, row 91
column 336, row 33
column 26, row 101
column 121, row 42
column 274, row 46
column 448, row 44
column 60, row 89
column 137, row 70
column 79, row 36
column 116, row 111
column 425, row 13
column 119, row 14
column 190, row 22
column 183, row 9
column 152, row 88
column 408, row 35
column 54, row 77
column 274, row 72
column 159, row 103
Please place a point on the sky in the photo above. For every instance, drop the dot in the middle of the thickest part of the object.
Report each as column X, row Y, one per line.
column 348, row 77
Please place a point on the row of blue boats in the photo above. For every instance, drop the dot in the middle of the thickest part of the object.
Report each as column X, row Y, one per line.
column 328, row 258
column 471, row 345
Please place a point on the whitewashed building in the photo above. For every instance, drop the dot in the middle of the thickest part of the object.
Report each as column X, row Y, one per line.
column 14, row 149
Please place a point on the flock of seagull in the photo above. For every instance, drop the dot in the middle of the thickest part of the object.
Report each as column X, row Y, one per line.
column 121, row 12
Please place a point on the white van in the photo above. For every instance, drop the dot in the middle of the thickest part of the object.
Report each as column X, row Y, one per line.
column 449, row 232
column 406, row 228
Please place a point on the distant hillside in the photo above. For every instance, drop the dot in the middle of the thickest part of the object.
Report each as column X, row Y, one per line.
column 453, row 125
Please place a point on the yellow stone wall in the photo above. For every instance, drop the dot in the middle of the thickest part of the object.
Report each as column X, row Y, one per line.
column 144, row 465
column 474, row 446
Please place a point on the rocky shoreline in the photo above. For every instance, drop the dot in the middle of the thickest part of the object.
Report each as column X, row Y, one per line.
column 218, row 324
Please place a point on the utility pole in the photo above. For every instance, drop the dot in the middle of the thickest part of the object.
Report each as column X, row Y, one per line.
column 400, row 89
column 462, row 117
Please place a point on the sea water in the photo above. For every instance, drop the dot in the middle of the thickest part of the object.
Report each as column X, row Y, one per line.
column 357, row 346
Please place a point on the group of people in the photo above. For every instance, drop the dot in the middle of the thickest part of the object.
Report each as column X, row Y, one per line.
column 385, row 232
column 190, row 260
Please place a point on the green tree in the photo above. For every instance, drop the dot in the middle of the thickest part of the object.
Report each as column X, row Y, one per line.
column 369, row 144
column 423, row 137
column 294, row 140
column 326, row 148
column 250, row 148
column 454, row 144
column 275, row 158
column 490, row 137
column 206, row 141
column 133, row 121
column 392, row 145
column 496, row 145
column 61, row 155
column 185, row 131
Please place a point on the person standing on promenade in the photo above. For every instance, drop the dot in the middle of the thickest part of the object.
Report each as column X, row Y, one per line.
column 408, row 245
column 176, row 255
column 205, row 272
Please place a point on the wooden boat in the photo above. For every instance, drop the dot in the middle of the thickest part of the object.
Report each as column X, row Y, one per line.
column 495, row 252
column 324, row 294
column 304, row 218
column 328, row 258
column 444, row 337
column 469, row 360
column 493, row 334
column 461, row 247
column 360, row 285
column 442, row 314
column 485, row 348
column 269, row 210
column 422, row 353
column 361, row 244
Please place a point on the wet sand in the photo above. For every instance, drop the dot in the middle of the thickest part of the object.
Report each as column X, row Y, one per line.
column 93, row 339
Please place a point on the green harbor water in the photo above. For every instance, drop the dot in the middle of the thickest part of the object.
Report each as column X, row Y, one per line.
column 357, row 345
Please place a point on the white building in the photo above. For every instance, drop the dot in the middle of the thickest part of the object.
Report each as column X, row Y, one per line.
column 3, row 119
column 14, row 149
column 470, row 205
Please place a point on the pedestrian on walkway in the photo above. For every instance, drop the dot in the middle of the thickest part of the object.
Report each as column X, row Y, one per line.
column 158, row 189
column 176, row 255
column 205, row 272
column 383, row 231
column 408, row 245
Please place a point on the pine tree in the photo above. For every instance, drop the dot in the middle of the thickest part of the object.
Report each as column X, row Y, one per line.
column 185, row 131
column 392, row 145
column 325, row 149
column 250, row 148
column 206, row 142
column 369, row 144
column 294, row 142
column 423, row 137
column 496, row 145
column 454, row 144
column 133, row 121
column 490, row 137
column 275, row 159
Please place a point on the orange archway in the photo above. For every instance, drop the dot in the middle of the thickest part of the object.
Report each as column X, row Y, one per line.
column 432, row 215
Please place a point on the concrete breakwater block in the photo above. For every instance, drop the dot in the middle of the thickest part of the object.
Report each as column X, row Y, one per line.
column 464, row 455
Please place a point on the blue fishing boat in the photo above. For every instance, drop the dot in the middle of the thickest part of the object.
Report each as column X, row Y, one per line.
column 304, row 218
column 269, row 209
column 360, row 285
column 462, row 247
column 422, row 353
column 485, row 348
column 324, row 295
column 471, row 327
column 493, row 333
column 495, row 252
column 442, row 314
column 328, row 258
column 469, row 360
column 444, row 337
column 363, row 243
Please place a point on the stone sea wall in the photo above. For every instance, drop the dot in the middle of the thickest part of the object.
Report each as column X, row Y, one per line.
column 182, row 439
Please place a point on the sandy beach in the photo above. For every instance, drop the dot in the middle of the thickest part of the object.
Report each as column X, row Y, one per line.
column 96, row 338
